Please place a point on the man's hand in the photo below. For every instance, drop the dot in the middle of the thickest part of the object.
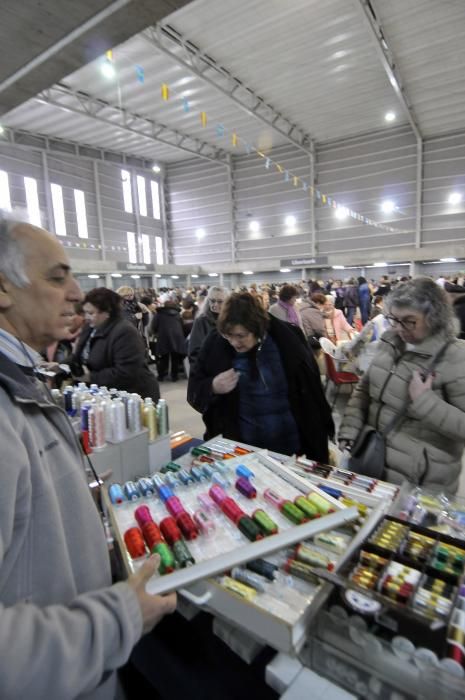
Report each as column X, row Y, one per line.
column 417, row 386
column 153, row 607
column 225, row 382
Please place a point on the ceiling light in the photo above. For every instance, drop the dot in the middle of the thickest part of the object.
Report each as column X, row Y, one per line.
column 200, row 233
column 380, row 264
column 247, row 272
column 158, row 276
column 116, row 274
column 338, row 267
column 107, row 69
column 285, row 269
column 93, row 277
column 174, row 277
column 213, row 274
column 447, row 259
column 388, row 206
column 194, row 276
column 341, row 213
column 390, row 116
column 254, row 226
column 290, row 221
column 135, row 277
column 455, row 198
column 1, row 129
column 156, row 168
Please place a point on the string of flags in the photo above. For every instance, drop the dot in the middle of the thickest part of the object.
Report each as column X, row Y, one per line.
column 95, row 246
column 221, row 131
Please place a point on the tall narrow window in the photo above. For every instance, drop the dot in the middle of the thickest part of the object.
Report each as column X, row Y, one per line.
column 155, row 199
column 5, row 201
column 81, row 214
column 132, row 247
column 147, row 258
column 159, row 250
column 32, row 201
column 58, row 210
column 142, row 195
column 127, row 193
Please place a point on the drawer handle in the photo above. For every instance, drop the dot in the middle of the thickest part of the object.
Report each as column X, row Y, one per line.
column 196, row 599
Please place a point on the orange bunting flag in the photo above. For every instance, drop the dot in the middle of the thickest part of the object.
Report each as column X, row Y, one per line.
column 109, row 54
column 295, row 180
column 203, row 118
column 165, row 92
column 234, row 138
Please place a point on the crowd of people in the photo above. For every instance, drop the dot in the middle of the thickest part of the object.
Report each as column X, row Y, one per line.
column 252, row 374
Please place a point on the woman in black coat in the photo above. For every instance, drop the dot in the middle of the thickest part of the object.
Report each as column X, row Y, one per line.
column 256, row 381
column 110, row 351
column 171, row 342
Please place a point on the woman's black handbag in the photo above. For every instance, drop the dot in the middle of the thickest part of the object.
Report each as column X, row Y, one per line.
column 368, row 454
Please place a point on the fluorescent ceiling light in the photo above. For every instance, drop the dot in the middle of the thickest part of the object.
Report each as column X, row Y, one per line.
column 107, row 69
column 174, row 277
column 156, row 168
column 158, row 276
column 200, row 233
column 194, row 276
column 380, row 264
column 135, row 277
column 341, row 213
column 1, row 129
column 93, row 277
column 390, row 116
column 213, row 274
column 116, row 274
column 388, row 206
column 290, row 221
column 247, row 272
column 338, row 267
column 447, row 259
column 455, row 198
column 285, row 269
column 254, row 226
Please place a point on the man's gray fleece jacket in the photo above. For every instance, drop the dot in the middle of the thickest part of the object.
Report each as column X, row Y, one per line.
column 63, row 627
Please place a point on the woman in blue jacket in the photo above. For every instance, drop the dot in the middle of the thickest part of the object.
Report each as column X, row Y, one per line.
column 364, row 296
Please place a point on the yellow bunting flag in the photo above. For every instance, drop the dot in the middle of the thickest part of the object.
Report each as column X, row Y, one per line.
column 295, row 180
column 165, row 92
column 323, row 198
column 262, row 155
column 109, row 54
column 203, row 118
column 234, row 138
column 280, row 167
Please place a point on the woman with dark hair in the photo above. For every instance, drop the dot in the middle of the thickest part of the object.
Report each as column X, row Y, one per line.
column 364, row 296
column 418, row 363
column 255, row 380
column 110, row 351
column 285, row 309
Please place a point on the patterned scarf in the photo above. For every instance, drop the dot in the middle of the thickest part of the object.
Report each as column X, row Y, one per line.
column 291, row 313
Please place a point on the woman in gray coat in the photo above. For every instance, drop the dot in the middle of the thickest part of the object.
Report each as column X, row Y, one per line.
column 205, row 321
column 427, row 446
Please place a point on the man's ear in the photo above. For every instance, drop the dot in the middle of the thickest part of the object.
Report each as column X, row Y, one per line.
column 5, row 288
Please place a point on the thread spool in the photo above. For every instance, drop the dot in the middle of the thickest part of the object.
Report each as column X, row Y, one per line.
column 187, row 526
column 118, row 415
column 170, row 530
column 143, row 515
column 134, row 541
column 151, row 534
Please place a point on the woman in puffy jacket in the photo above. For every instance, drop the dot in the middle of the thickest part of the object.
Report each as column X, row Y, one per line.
column 427, row 446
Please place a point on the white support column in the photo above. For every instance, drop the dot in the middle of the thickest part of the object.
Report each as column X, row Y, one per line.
column 48, row 193
column 312, row 207
column 108, row 280
column 419, row 192
column 231, row 208
column 164, row 222
column 98, row 204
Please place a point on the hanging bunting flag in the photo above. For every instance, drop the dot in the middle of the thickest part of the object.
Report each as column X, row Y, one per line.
column 165, row 92
column 304, row 186
column 140, row 74
column 220, row 130
column 234, row 138
column 330, row 201
column 318, row 194
column 334, row 204
column 203, row 118
column 267, row 163
column 323, row 198
column 185, row 104
column 286, row 176
column 109, row 54
column 262, row 155
column 248, row 148
column 295, row 180
column 280, row 167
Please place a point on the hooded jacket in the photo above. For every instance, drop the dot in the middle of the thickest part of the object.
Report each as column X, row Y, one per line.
column 63, row 627
column 313, row 321
column 117, row 358
column 306, row 398
column 427, row 447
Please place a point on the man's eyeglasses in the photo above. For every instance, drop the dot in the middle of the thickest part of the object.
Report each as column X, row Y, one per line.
column 407, row 324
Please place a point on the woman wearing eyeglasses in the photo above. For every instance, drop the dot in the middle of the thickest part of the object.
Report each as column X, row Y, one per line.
column 427, row 446
column 256, row 381
column 205, row 321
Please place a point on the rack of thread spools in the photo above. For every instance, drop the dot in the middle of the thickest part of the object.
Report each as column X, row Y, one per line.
column 120, row 430
column 215, row 500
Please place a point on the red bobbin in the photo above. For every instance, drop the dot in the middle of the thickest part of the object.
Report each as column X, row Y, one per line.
column 134, row 542
column 170, row 530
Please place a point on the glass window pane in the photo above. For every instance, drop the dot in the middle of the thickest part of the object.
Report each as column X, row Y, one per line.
column 155, row 199
column 58, row 210
column 32, row 201
column 81, row 215
column 159, row 250
column 142, row 195
column 132, row 248
column 127, row 194
column 5, row 201
column 146, row 249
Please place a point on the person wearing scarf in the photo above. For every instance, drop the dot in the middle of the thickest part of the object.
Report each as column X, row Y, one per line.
column 285, row 308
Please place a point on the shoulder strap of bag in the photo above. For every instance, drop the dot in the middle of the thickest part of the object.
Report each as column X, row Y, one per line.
column 396, row 420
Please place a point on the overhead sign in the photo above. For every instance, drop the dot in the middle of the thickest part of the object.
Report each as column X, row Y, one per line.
column 135, row 267
column 305, row 262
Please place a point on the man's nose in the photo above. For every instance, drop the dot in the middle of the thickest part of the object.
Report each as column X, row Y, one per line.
column 74, row 291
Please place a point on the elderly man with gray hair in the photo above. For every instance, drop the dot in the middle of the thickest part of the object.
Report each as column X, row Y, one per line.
column 420, row 365
column 64, row 628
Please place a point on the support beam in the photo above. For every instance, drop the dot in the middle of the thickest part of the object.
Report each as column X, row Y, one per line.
column 169, row 42
column 80, row 103
column 232, row 211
